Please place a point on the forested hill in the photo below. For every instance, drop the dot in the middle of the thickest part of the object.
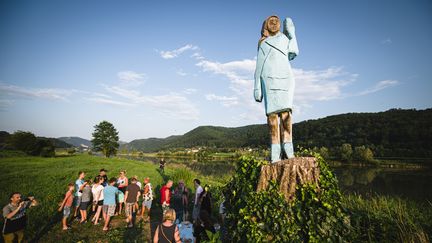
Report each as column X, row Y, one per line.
column 209, row 136
column 394, row 133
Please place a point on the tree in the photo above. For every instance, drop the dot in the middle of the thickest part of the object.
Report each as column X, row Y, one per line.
column 30, row 144
column 105, row 138
column 23, row 141
column 361, row 153
column 346, row 152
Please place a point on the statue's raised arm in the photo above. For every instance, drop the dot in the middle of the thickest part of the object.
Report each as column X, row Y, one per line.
column 289, row 31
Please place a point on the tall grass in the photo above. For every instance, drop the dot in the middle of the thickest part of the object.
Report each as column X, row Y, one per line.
column 385, row 219
column 183, row 174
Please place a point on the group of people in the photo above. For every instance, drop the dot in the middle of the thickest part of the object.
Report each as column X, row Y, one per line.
column 117, row 195
column 175, row 225
column 108, row 197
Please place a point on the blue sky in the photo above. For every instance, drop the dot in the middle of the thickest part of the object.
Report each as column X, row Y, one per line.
column 158, row 68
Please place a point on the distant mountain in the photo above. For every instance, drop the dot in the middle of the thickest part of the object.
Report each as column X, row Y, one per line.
column 395, row 132
column 58, row 143
column 76, row 141
column 209, row 136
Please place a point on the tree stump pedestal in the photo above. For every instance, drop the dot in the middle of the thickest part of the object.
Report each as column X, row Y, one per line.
column 288, row 174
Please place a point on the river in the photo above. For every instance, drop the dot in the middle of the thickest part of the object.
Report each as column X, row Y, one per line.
column 414, row 183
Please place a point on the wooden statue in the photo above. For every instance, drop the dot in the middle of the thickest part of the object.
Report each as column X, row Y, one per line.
column 274, row 81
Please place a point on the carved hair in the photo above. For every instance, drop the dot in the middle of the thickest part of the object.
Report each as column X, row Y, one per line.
column 264, row 30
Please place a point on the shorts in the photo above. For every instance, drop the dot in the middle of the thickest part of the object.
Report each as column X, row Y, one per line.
column 84, row 205
column 99, row 203
column 147, row 204
column 17, row 235
column 66, row 212
column 77, row 201
column 122, row 189
column 109, row 209
column 129, row 209
column 120, row 197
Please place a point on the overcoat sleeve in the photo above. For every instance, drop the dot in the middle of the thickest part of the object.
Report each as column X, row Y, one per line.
column 258, row 94
column 289, row 31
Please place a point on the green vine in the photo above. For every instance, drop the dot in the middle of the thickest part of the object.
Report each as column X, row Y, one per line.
column 315, row 215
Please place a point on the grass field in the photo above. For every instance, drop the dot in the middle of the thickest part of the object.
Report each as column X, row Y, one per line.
column 46, row 179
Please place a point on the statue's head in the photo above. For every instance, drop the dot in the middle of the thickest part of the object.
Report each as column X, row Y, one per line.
column 270, row 27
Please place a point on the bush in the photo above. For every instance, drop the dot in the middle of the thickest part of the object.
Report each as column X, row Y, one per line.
column 315, row 215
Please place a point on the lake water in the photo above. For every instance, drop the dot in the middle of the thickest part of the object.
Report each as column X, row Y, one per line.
column 409, row 183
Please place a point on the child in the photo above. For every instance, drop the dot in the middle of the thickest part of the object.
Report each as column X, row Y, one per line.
column 85, row 200
column 98, row 198
column 109, row 203
column 122, row 183
column 148, row 198
column 66, row 205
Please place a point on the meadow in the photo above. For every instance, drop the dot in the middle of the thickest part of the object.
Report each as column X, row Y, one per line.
column 373, row 219
column 46, row 179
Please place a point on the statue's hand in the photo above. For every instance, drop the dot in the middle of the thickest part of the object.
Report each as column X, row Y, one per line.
column 289, row 28
column 258, row 95
column 291, row 56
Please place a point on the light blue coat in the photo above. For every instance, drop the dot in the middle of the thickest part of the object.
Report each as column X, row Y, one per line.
column 274, row 79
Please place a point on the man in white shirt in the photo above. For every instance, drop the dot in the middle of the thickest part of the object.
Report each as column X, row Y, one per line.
column 197, row 204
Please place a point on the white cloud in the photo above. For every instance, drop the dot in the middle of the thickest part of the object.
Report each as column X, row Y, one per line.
column 131, row 78
column 101, row 95
column 386, row 41
column 172, row 105
column 234, row 70
column 380, row 86
column 177, row 52
column 189, row 91
column 44, row 93
column 197, row 56
column 320, row 85
column 225, row 101
column 108, row 101
column 181, row 72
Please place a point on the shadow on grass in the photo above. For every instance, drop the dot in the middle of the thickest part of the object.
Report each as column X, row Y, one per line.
column 54, row 220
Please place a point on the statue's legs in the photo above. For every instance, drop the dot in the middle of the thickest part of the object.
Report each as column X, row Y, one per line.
column 272, row 121
column 286, row 133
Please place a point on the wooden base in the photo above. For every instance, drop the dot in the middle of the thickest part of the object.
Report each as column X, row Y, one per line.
column 288, row 173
